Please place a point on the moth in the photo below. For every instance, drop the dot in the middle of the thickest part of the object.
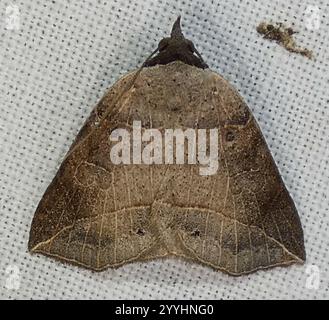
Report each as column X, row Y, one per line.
column 99, row 214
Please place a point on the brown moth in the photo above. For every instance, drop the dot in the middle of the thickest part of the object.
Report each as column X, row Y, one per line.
column 97, row 214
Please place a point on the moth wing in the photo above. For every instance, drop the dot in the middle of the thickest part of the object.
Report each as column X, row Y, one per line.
column 242, row 218
column 96, row 214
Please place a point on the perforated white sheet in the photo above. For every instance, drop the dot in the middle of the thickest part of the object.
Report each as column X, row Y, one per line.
column 56, row 60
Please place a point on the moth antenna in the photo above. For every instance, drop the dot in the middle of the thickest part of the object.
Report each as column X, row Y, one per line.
column 149, row 58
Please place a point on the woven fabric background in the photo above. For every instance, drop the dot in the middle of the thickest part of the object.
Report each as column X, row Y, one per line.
column 56, row 60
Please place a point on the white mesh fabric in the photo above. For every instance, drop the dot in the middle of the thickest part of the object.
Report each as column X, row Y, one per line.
column 56, row 60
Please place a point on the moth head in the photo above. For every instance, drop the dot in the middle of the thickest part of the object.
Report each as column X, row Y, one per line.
column 176, row 39
column 176, row 48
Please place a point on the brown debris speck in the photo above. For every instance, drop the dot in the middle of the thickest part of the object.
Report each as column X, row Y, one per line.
column 283, row 36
